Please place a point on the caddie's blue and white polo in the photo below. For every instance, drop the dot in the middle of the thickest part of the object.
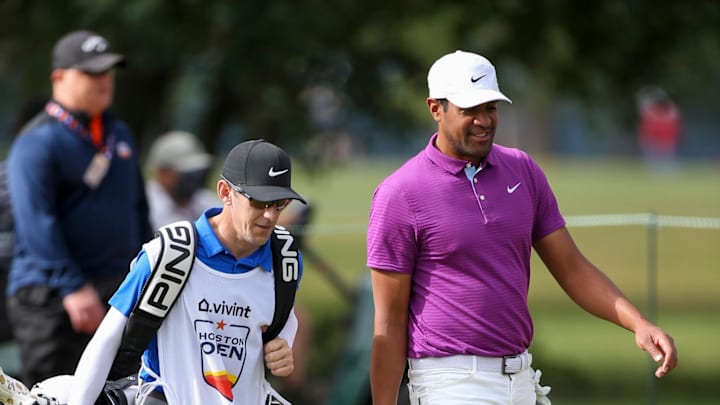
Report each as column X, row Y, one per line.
column 237, row 308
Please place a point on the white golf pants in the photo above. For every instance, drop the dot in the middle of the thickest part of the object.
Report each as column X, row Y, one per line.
column 468, row 384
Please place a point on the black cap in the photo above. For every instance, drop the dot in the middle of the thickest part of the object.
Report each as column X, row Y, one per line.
column 261, row 169
column 86, row 51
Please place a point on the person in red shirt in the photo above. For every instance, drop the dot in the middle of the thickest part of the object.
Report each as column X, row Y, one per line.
column 660, row 126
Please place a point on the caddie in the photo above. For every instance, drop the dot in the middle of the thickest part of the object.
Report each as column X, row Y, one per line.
column 209, row 348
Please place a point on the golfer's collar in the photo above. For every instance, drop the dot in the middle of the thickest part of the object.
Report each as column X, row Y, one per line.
column 450, row 164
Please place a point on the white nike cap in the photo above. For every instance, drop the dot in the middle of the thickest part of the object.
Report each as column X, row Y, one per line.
column 465, row 79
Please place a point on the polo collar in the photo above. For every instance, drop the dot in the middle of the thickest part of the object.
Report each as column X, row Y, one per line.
column 450, row 164
column 261, row 257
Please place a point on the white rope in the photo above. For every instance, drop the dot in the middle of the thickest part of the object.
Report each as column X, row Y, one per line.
column 645, row 219
column 690, row 222
column 608, row 220
column 662, row 221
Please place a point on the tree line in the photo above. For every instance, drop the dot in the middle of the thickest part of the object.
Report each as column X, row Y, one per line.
column 287, row 70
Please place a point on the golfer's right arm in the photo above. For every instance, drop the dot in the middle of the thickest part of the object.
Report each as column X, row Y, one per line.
column 391, row 296
column 97, row 359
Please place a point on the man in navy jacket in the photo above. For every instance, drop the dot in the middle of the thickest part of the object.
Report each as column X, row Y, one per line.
column 79, row 209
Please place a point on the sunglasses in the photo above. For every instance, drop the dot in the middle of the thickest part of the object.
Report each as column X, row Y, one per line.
column 258, row 204
column 98, row 74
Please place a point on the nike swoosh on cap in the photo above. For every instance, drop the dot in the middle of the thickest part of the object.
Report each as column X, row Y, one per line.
column 475, row 79
column 273, row 173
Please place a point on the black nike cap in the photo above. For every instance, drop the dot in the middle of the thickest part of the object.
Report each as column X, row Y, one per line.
column 85, row 51
column 260, row 169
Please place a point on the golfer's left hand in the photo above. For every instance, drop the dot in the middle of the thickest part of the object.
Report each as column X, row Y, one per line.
column 659, row 345
column 279, row 357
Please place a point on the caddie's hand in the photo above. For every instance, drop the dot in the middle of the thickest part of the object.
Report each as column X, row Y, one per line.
column 279, row 357
column 84, row 309
column 659, row 345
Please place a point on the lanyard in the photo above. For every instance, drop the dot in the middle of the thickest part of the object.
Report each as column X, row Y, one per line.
column 56, row 111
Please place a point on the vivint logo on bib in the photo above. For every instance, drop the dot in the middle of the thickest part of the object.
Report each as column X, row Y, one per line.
column 94, row 44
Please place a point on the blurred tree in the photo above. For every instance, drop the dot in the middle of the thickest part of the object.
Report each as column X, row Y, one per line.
column 212, row 67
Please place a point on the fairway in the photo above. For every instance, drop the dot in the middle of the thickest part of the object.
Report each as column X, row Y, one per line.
column 585, row 359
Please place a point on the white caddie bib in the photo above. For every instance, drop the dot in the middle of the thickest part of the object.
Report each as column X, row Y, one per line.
column 210, row 344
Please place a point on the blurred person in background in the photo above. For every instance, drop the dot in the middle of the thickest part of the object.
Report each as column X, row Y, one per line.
column 7, row 243
column 180, row 166
column 7, row 230
column 79, row 209
column 660, row 127
column 449, row 242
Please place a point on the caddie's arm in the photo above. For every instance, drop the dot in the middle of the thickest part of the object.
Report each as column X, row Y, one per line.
column 278, row 352
column 391, row 297
column 94, row 367
column 290, row 329
column 593, row 291
column 97, row 359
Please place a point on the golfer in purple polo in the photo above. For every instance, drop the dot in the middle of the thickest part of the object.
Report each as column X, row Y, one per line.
column 449, row 243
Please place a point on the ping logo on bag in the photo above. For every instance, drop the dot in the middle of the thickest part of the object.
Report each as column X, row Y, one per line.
column 172, row 270
column 289, row 263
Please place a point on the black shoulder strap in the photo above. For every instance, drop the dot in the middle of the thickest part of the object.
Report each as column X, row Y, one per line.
column 178, row 242
column 286, row 268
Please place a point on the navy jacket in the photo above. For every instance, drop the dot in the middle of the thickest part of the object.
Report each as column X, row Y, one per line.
column 66, row 232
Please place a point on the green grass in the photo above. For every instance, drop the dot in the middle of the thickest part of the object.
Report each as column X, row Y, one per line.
column 586, row 360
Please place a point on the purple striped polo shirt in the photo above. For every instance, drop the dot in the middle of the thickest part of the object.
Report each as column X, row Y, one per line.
column 466, row 239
